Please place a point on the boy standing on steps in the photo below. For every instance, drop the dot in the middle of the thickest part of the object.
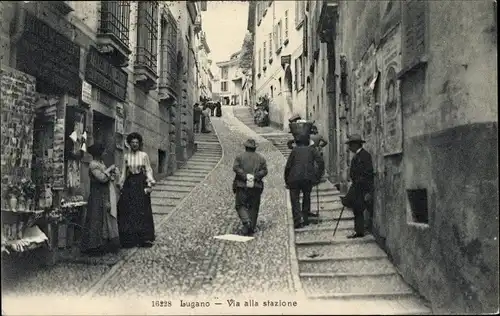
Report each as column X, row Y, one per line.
column 250, row 168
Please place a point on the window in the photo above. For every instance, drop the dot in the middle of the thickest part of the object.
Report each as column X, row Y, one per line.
column 223, row 86
column 279, row 35
column 162, row 160
column 260, row 60
column 168, row 49
column 300, row 9
column 271, row 45
column 225, row 73
column 264, row 53
column 147, row 34
column 299, row 74
column 418, row 204
column 286, row 25
column 115, row 19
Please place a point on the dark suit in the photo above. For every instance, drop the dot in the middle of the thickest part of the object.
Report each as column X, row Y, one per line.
column 303, row 170
column 361, row 174
column 248, row 199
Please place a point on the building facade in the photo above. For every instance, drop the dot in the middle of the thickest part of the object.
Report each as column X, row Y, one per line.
column 117, row 66
column 205, row 76
column 417, row 79
column 277, row 28
column 230, row 80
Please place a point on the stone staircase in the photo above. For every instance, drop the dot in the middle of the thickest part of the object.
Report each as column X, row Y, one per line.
column 168, row 192
column 341, row 271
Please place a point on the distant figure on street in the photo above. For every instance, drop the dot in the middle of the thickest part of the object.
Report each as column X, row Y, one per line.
column 197, row 113
column 218, row 109
column 250, row 168
column 212, row 106
column 303, row 170
column 318, row 141
column 359, row 196
column 204, row 118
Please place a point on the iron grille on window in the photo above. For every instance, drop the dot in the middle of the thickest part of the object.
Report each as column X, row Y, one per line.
column 115, row 19
column 147, row 34
column 271, row 45
column 168, row 49
column 264, row 49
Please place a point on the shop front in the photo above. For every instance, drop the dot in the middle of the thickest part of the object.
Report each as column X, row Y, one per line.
column 45, row 139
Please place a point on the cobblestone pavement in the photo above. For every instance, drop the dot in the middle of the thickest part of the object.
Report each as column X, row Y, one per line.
column 186, row 260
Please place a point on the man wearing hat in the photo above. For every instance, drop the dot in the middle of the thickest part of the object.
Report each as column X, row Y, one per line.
column 359, row 196
column 250, row 168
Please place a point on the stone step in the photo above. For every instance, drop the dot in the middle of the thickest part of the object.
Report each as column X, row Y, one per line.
column 165, row 201
column 191, row 174
column 351, row 248
column 325, row 198
column 333, row 205
column 388, row 303
column 332, row 283
column 201, row 163
column 326, row 225
column 175, row 180
column 359, row 264
column 331, row 214
column 198, row 169
column 179, row 182
column 168, row 186
column 205, row 159
column 325, row 234
column 157, row 194
column 162, row 210
column 197, row 177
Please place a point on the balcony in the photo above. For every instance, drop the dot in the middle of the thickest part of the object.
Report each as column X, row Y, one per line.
column 63, row 7
column 327, row 21
column 113, row 33
column 197, row 25
column 145, row 69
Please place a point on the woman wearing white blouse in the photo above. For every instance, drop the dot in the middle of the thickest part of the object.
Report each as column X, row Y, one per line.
column 135, row 216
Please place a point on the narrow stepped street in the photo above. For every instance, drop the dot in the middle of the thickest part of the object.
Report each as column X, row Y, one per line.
column 170, row 191
column 338, row 269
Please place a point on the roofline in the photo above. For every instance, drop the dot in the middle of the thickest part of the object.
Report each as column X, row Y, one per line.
column 227, row 62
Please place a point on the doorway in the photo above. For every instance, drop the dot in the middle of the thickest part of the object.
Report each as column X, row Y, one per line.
column 103, row 131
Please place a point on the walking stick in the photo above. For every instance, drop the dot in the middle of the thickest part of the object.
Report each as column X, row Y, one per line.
column 317, row 199
column 338, row 221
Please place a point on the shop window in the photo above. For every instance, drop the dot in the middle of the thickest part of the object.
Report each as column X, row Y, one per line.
column 418, row 204
column 162, row 160
column 115, row 19
column 147, row 35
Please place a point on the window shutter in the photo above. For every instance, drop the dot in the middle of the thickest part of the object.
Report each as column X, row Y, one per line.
column 270, row 45
column 286, row 24
column 302, row 72
column 296, row 73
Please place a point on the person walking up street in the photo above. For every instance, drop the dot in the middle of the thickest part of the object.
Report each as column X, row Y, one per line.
column 318, row 140
column 204, row 117
column 197, row 113
column 303, row 170
column 250, row 168
column 218, row 110
column 359, row 196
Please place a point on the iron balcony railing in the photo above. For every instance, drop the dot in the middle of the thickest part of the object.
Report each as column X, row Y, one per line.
column 115, row 19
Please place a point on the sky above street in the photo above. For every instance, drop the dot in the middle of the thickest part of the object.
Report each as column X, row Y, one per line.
column 225, row 24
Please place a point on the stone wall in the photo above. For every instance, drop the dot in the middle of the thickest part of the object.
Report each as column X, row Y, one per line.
column 445, row 109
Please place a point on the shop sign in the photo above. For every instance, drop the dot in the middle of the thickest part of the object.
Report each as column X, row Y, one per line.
column 100, row 72
column 286, row 60
column 86, row 92
column 49, row 56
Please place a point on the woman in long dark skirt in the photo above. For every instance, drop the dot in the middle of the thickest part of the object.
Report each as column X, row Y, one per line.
column 218, row 110
column 135, row 216
column 100, row 233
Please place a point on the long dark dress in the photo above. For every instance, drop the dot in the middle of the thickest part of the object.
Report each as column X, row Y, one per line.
column 135, row 215
column 100, row 233
column 218, row 111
